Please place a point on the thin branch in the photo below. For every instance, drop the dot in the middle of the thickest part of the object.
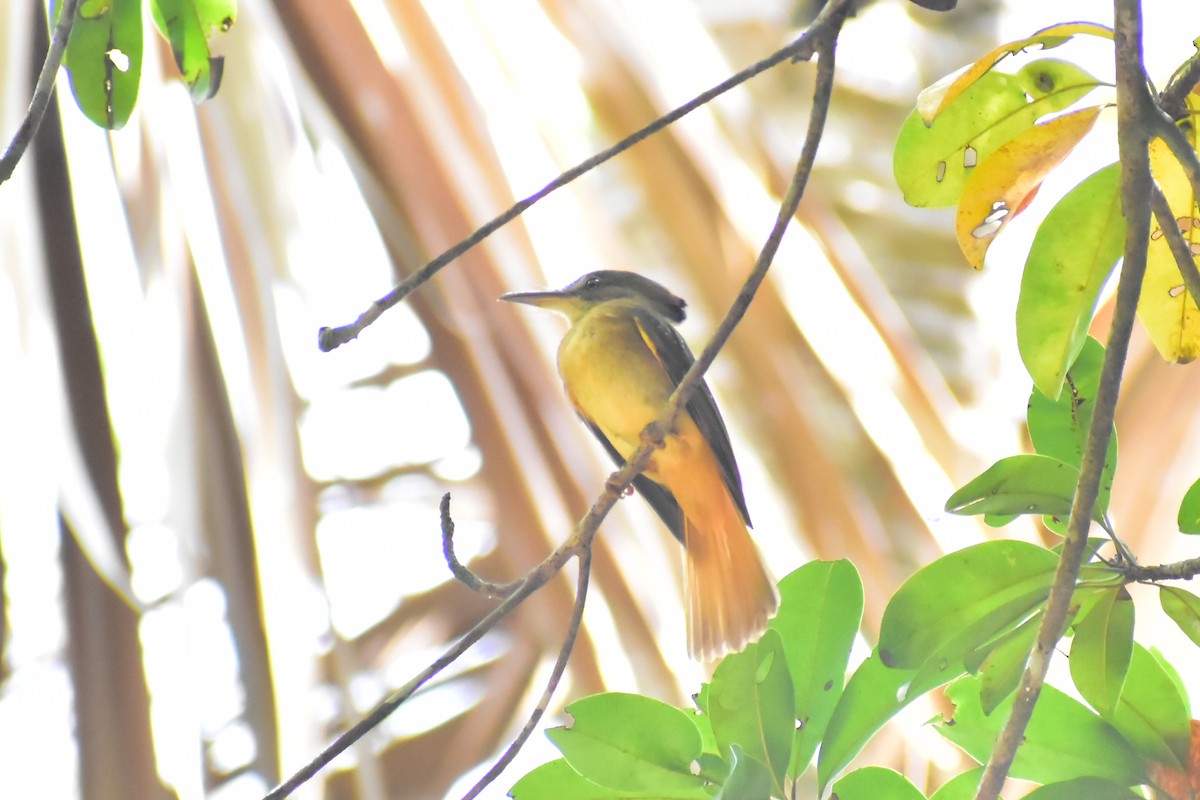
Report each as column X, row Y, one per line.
column 1186, row 78
column 799, row 50
column 462, row 572
column 560, row 665
column 43, row 91
column 1177, row 571
column 822, row 94
column 533, row 581
column 1179, row 248
column 1133, row 106
column 1163, row 127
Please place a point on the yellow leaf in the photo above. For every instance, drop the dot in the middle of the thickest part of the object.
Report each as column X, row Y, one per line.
column 1003, row 185
column 1166, row 309
column 935, row 98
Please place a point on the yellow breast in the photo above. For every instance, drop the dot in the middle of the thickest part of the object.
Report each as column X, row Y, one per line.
column 611, row 375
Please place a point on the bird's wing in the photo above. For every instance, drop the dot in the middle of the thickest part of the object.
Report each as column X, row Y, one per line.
column 657, row 495
column 676, row 358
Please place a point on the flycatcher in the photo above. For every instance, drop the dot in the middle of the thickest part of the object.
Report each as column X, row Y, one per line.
column 620, row 360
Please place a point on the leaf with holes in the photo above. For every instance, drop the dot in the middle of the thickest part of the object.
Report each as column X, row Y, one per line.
column 1002, row 186
column 189, row 27
column 104, row 59
column 932, row 163
column 751, row 704
column 874, row 694
column 632, row 743
column 932, row 101
column 1166, row 309
column 820, row 610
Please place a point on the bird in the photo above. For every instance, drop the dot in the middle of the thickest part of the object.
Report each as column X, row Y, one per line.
column 620, row 360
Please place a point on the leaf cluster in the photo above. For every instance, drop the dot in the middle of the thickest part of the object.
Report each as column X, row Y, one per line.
column 104, row 51
column 965, row 622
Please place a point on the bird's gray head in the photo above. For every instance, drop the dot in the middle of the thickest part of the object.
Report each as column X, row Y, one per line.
column 603, row 286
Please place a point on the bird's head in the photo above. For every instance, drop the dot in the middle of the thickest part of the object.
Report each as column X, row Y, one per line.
column 575, row 299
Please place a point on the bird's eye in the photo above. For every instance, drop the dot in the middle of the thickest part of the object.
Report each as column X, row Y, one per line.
column 592, row 282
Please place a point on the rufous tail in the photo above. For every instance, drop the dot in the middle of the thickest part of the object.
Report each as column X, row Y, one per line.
column 730, row 595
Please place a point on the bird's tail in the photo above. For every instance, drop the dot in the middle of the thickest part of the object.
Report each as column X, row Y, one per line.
column 730, row 596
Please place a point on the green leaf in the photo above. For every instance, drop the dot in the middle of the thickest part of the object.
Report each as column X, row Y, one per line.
column 1091, row 788
column 104, row 59
column 1064, row 739
column 1073, row 253
column 873, row 696
column 1102, row 649
column 932, row 100
column 1059, row 428
column 1184, row 608
column 950, row 607
column 960, row 787
column 876, row 783
column 1189, row 510
column 1000, row 672
column 749, row 778
column 1024, row 484
column 1169, row 669
column 819, row 615
column 189, row 25
column 932, row 162
column 1151, row 714
column 557, row 781
column 632, row 743
column 752, row 705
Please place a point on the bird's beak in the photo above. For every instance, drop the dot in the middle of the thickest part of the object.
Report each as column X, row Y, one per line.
column 558, row 300
column 547, row 298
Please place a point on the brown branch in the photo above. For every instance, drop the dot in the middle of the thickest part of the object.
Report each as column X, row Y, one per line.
column 801, row 49
column 43, row 91
column 1134, row 105
column 1163, row 127
column 1186, row 78
column 461, row 572
column 1177, row 571
column 560, row 665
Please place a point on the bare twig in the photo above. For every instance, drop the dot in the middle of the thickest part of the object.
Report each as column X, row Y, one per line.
column 560, row 665
column 460, row 570
column 43, row 91
column 533, row 581
column 1133, row 106
column 1181, row 148
column 822, row 93
column 1186, row 78
column 799, row 50
column 1177, row 571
